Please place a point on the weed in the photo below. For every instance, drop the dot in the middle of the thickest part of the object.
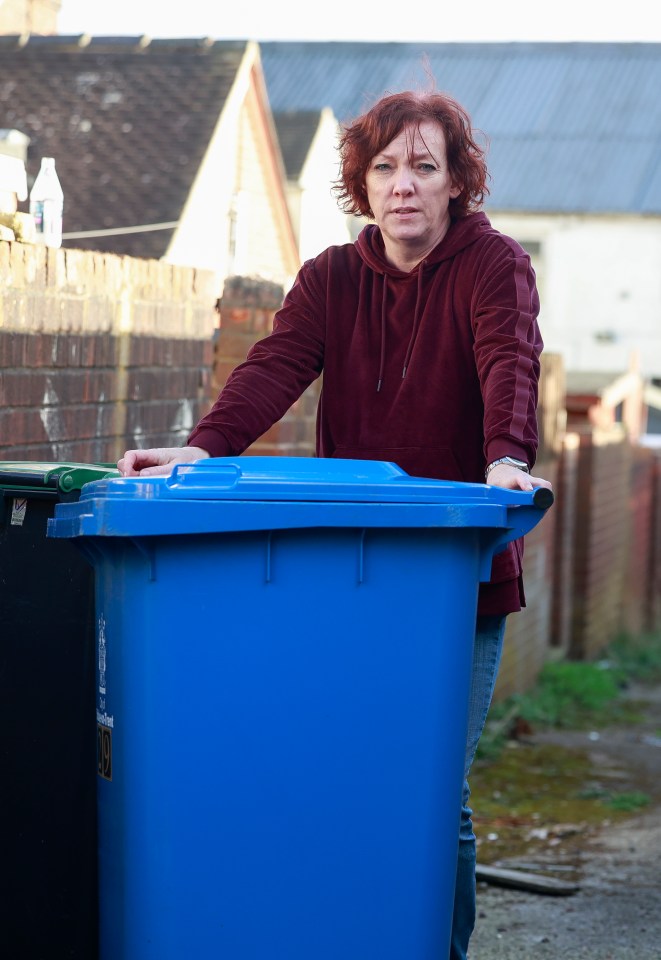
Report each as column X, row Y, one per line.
column 577, row 694
column 628, row 802
column 529, row 794
column 571, row 694
column 639, row 658
column 625, row 802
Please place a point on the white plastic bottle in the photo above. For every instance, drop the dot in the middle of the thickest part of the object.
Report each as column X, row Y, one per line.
column 46, row 204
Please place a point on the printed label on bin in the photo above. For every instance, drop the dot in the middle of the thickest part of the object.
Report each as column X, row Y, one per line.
column 104, row 752
column 18, row 511
column 102, row 649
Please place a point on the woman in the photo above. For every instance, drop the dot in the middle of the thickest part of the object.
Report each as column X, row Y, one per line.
column 426, row 331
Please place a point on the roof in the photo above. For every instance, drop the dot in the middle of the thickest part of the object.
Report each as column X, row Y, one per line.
column 128, row 120
column 296, row 130
column 590, row 382
column 572, row 127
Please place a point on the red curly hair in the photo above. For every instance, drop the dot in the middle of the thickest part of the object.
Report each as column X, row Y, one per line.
column 366, row 136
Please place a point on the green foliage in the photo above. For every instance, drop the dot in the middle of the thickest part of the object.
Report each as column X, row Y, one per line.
column 628, row 802
column 625, row 802
column 523, row 785
column 571, row 694
column 491, row 745
column 576, row 694
column 639, row 658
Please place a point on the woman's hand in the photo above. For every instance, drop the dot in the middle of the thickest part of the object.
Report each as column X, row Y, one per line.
column 157, row 462
column 504, row 475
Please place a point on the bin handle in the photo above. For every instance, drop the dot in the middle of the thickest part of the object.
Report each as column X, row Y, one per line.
column 200, row 474
column 521, row 518
column 542, row 498
column 524, row 518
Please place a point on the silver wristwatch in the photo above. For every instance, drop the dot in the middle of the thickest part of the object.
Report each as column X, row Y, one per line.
column 519, row 464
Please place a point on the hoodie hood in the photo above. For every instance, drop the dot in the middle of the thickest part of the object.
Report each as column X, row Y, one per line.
column 370, row 247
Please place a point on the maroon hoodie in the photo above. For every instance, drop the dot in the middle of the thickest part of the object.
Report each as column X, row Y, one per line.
column 435, row 370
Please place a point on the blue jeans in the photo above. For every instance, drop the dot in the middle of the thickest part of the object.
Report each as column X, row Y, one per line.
column 489, row 635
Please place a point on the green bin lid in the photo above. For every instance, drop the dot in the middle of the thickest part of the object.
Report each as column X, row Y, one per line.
column 29, row 476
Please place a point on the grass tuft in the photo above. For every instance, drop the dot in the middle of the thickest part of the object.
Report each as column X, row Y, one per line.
column 576, row 694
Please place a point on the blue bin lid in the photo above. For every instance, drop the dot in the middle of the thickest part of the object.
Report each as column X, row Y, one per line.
column 293, row 478
column 250, row 493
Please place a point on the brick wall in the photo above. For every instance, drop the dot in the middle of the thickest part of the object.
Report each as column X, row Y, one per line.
column 601, row 540
column 551, row 409
column 637, row 606
column 592, row 568
column 99, row 352
column 564, row 559
column 247, row 309
column 528, row 636
column 654, row 578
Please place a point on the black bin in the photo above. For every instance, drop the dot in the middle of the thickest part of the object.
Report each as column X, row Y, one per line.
column 48, row 846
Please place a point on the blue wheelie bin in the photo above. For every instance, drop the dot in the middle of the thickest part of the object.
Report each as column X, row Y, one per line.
column 283, row 662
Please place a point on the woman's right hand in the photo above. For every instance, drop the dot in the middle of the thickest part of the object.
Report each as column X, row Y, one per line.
column 157, row 462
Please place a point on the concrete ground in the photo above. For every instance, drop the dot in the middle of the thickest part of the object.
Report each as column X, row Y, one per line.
column 616, row 913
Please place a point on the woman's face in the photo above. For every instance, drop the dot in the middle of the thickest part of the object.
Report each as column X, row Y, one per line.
column 409, row 188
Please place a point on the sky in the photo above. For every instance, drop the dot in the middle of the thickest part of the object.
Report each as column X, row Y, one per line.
column 392, row 20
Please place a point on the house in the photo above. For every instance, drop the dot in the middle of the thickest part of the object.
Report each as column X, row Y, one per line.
column 13, row 179
column 29, row 16
column 165, row 149
column 574, row 138
column 308, row 141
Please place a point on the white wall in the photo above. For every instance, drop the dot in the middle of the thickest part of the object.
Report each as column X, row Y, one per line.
column 233, row 221
column 600, row 286
column 202, row 237
column 319, row 220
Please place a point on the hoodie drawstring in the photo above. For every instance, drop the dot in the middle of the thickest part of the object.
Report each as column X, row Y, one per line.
column 382, row 358
column 414, row 332
column 416, row 321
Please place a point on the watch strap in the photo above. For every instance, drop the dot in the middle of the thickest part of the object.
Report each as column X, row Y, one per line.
column 510, row 461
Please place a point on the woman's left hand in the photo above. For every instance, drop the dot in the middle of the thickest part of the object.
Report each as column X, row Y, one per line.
column 512, row 478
